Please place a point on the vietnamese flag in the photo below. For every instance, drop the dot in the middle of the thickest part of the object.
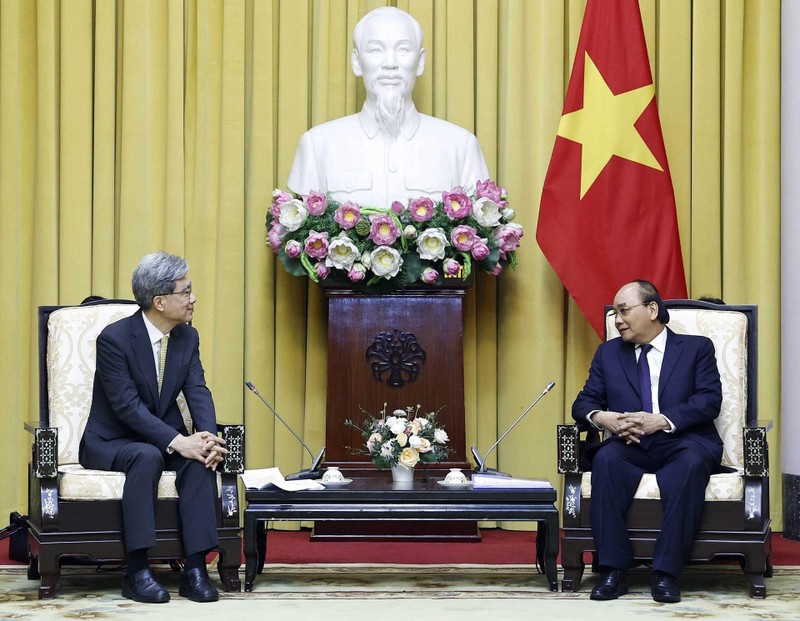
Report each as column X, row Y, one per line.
column 607, row 214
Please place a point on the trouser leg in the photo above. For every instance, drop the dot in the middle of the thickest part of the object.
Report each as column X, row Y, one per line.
column 615, row 477
column 142, row 464
column 197, row 504
column 682, row 481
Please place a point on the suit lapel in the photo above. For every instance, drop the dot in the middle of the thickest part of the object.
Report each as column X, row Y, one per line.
column 672, row 352
column 143, row 350
column 627, row 358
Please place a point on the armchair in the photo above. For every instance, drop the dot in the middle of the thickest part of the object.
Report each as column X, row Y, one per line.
column 736, row 520
column 75, row 514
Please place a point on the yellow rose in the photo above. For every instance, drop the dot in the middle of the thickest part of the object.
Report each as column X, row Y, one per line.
column 402, row 439
column 409, row 457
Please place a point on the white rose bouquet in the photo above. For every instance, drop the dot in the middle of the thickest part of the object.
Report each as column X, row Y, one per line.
column 379, row 250
column 404, row 437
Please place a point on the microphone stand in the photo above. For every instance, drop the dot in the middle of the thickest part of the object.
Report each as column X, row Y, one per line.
column 481, row 461
column 310, row 473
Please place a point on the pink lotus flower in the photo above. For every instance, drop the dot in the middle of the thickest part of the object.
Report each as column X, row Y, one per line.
column 457, row 204
column 316, row 203
column 429, row 276
column 293, row 249
column 279, row 196
column 451, row 267
column 383, row 231
column 421, row 209
column 463, row 237
column 397, row 207
column 489, row 189
column 357, row 272
column 275, row 237
column 322, row 270
column 347, row 215
column 480, row 250
column 317, row 245
column 508, row 236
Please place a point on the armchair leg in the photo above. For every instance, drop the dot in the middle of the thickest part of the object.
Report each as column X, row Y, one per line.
column 572, row 578
column 228, row 563
column 33, row 567
column 756, row 586
column 48, row 577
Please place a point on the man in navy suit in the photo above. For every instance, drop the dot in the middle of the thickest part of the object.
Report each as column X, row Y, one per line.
column 657, row 393
column 135, row 426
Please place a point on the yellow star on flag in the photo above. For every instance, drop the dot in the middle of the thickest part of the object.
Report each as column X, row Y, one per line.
column 605, row 125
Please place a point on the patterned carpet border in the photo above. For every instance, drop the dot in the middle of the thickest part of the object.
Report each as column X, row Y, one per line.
column 315, row 589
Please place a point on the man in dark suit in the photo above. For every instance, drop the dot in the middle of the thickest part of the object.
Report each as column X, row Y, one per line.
column 135, row 426
column 657, row 393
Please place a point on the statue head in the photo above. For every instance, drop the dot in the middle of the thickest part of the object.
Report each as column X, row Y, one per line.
column 388, row 55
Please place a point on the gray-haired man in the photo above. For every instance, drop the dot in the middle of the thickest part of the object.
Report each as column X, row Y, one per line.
column 135, row 426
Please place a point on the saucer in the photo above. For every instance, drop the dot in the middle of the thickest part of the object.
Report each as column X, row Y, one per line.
column 342, row 483
column 464, row 485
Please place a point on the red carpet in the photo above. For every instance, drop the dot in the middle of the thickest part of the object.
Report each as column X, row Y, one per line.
column 497, row 547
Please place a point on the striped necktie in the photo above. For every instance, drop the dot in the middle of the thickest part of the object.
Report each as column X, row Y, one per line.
column 162, row 360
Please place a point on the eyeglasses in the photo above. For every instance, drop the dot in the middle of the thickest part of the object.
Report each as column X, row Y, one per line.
column 185, row 293
column 623, row 312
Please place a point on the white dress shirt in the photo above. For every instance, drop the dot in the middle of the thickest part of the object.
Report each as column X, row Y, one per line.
column 155, row 335
column 655, row 358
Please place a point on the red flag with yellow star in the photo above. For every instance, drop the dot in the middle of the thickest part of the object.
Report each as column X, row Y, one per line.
column 607, row 214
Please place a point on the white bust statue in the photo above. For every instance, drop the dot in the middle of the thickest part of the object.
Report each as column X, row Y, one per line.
column 388, row 151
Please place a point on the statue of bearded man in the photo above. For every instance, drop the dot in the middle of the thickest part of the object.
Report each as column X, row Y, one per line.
column 388, row 151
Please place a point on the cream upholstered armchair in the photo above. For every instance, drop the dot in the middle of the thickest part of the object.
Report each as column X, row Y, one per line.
column 736, row 521
column 74, row 513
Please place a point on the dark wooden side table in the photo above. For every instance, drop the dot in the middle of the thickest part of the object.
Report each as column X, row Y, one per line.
column 374, row 499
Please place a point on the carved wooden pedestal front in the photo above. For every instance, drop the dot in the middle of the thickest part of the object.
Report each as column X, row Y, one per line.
column 400, row 349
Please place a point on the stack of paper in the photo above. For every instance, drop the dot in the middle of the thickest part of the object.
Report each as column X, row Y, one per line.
column 488, row 481
column 264, row 477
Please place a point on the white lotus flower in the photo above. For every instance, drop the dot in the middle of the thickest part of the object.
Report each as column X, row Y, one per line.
column 431, row 244
column 293, row 214
column 486, row 212
column 342, row 253
column 386, row 262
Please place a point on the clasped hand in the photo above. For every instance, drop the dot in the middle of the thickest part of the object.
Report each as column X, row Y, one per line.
column 203, row 446
column 631, row 426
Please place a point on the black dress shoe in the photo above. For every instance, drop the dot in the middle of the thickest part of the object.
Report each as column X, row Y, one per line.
column 665, row 588
column 197, row 587
column 612, row 584
column 143, row 587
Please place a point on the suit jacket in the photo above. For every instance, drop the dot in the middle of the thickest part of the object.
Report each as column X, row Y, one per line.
column 126, row 405
column 689, row 388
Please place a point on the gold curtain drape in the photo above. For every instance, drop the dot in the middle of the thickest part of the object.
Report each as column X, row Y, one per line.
column 128, row 126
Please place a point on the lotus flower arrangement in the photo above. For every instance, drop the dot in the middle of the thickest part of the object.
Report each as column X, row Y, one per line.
column 379, row 250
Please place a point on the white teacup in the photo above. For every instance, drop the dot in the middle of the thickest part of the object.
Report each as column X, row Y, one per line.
column 332, row 475
column 455, row 476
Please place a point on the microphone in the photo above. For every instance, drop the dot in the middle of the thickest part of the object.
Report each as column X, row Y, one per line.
column 480, row 462
column 311, row 473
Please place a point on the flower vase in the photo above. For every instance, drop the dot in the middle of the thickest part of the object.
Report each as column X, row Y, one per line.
column 402, row 474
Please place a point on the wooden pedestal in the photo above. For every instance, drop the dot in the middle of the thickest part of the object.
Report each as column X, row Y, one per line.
column 401, row 349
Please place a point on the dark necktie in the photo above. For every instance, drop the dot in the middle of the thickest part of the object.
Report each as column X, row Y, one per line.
column 644, row 378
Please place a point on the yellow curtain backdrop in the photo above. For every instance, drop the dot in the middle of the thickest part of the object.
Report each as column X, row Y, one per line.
column 128, row 126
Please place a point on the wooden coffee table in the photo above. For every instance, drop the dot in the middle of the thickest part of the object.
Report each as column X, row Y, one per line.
column 373, row 499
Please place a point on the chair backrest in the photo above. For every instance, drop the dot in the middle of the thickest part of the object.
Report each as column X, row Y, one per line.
column 734, row 332
column 67, row 339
